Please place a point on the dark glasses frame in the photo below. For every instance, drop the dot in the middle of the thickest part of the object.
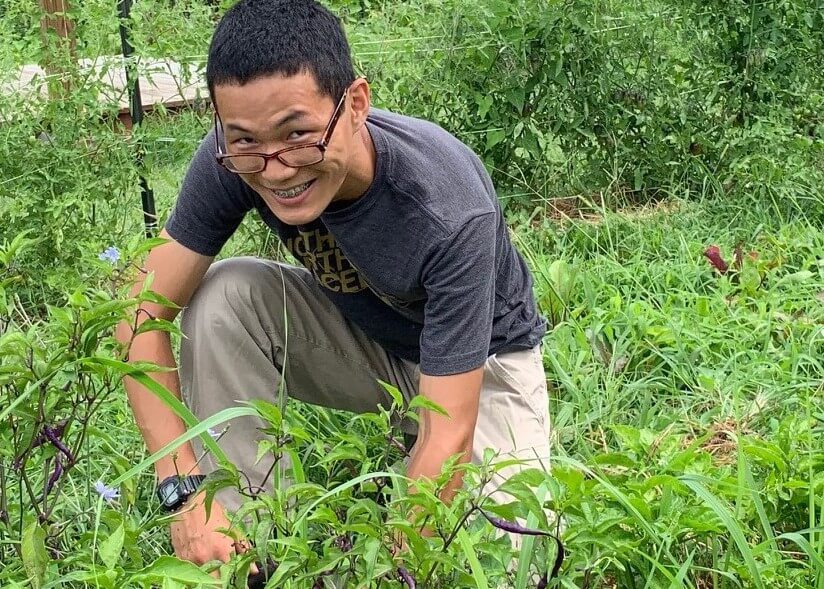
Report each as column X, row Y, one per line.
column 225, row 159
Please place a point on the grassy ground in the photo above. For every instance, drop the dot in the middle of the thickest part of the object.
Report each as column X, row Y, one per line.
column 694, row 397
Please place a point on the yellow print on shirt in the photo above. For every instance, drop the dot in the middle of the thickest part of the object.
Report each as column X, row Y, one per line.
column 319, row 252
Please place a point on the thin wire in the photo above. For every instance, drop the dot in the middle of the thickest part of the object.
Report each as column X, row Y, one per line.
column 479, row 33
column 92, row 62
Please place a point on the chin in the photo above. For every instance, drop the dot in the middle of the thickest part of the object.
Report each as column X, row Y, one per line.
column 296, row 216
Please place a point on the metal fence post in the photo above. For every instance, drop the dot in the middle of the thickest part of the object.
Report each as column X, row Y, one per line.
column 136, row 113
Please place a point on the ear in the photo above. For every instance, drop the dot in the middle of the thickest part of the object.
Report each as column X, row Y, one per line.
column 360, row 98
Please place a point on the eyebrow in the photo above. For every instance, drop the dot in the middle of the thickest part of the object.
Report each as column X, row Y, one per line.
column 288, row 118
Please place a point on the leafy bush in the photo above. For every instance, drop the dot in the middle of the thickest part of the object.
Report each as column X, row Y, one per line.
column 686, row 401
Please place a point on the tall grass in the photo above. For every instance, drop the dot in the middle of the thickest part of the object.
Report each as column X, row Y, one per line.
column 689, row 396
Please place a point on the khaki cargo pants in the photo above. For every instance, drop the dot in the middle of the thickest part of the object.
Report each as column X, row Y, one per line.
column 253, row 321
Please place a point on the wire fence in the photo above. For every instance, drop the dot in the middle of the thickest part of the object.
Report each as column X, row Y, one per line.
column 388, row 49
column 468, row 36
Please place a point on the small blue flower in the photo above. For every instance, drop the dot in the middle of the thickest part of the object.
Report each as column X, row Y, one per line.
column 108, row 493
column 111, row 255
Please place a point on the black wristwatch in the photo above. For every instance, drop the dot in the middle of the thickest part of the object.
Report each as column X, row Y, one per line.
column 173, row 491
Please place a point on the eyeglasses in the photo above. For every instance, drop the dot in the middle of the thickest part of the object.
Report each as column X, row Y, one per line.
column 296, row 156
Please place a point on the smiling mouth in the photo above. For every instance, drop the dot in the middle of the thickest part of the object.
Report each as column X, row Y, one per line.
column 292, row 192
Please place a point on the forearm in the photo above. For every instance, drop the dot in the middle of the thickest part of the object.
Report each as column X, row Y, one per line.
column 158, row 424
column 442, row 436
column 428, row 459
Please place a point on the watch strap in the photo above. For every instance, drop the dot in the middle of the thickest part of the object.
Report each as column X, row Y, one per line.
column 189, row 484
column 186, row 487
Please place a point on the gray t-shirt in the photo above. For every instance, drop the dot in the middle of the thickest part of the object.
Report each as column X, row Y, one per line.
column 422, row 262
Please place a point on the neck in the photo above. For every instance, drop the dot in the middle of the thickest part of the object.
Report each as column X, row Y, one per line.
column 361, row 170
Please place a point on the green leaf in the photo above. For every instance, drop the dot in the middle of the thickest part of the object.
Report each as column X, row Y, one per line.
column 149, row 244
column 79, row 299
column 516, row 97
column 474, row 563
column 109, row 550
column 157, row 325
column 96, row 578
column 33, row 551
column 153, row 297
column 370, row 557
column 268, row 411
column 221, row 478
column 494, row 137
column 394, row 392
column 171, row 568
column 197, row 430
column 425, row 403
column 729, row 521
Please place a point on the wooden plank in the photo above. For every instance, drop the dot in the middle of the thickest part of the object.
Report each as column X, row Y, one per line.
column 161, row 82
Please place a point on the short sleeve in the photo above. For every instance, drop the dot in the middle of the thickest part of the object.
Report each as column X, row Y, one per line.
column 459, row 279
column 211, row 204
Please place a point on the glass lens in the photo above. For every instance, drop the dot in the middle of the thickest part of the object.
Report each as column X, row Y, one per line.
column 304, row 156
column 245, row 164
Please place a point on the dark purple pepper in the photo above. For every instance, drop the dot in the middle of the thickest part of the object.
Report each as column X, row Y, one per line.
column 406, row 578
column 54, row 438
column 55, row 475
column 512, row 527
column 58, row 430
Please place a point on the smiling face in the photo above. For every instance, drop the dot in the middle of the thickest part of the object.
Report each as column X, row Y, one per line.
column 275, row 112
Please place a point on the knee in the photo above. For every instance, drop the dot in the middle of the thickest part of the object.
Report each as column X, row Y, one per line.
column 228, row 286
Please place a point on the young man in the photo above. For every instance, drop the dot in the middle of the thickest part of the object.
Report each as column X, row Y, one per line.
column 409, row 275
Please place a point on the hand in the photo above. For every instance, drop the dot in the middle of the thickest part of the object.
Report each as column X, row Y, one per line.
column 197, row 540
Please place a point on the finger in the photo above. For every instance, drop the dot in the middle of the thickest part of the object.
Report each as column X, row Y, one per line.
column 241, row 547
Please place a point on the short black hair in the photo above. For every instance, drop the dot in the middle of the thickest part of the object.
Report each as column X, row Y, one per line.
column 257, row 38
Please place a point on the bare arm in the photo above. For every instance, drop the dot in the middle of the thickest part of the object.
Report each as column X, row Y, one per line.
column 177, row 273
column 441, row 437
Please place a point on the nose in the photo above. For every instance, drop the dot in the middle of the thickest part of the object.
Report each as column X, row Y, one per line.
column 275, row 173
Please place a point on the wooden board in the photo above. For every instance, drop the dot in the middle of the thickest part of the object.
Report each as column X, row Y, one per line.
column 162, row 82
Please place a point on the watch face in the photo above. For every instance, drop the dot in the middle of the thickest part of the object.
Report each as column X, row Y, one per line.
column 170, row 493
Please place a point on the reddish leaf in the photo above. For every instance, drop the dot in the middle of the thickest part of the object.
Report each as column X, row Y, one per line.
column 713, row 254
